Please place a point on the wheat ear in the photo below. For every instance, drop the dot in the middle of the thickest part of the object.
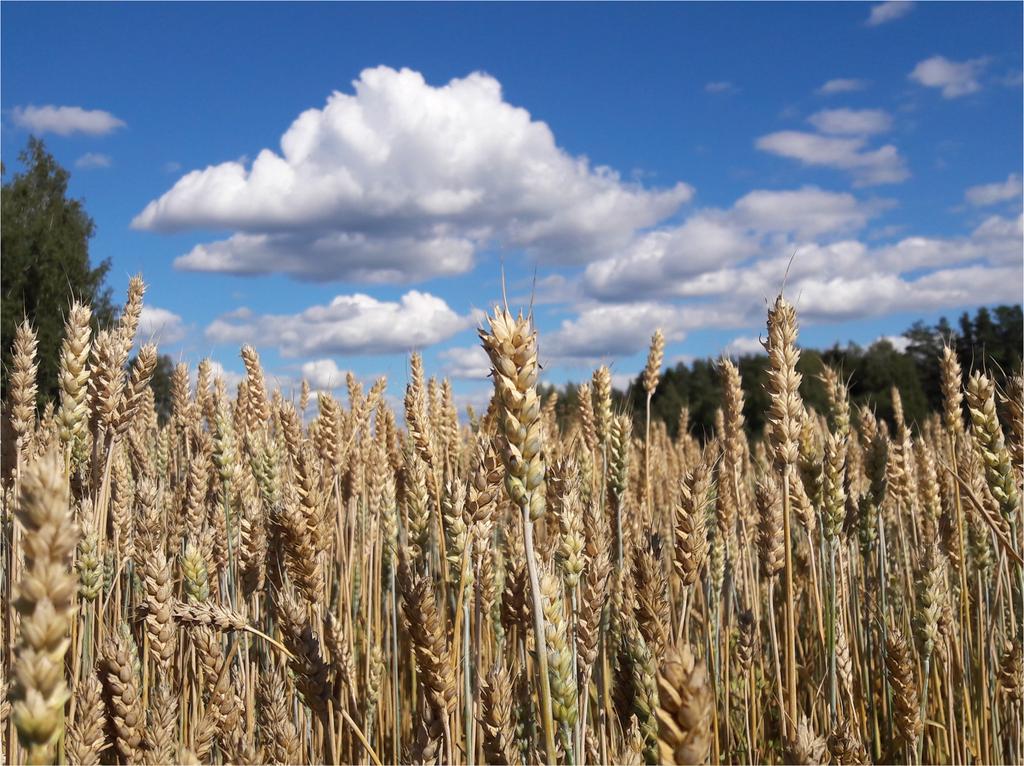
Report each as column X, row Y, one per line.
column 45, row 598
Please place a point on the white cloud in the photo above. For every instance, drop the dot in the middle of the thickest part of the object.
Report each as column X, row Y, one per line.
column 172, row 167
column 721, row 86
column 888, row 11
column 336, row 255
column 994, row 246
column 997, row 240
column 844, row 279
column 478, row 399
column 160, row 326
column 884, row 165
column 412, row 171
column 874, row 294
column 602, row 330
column 851, row 122
column 744, row 345
column 955, row 78
column 1000, row 238
column 349, row 324
column 807, row 211
column 65, row 120
column 718, row 267
column 686, row 359
column 744, row 289
column 242, row 312
column 230, row 377
column 657, row 259
column 994, row 193
column 842, row 85
column 91, row 160
column 468, row 362
column 323, row 374
column 623, row 381
column 898, row 342
column 703, row 254
column 606, row 330
column 850, row 280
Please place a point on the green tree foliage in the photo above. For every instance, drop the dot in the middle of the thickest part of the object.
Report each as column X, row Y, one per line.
column 161, row 383
column 44, row 238
column 873, row 372
column 992, row 337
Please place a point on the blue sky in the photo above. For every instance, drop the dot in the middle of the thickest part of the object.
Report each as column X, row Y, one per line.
column 339, row 183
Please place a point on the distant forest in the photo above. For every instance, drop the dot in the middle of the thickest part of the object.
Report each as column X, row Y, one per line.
column 992, row 339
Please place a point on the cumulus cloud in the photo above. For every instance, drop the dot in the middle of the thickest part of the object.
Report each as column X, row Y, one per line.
column 416, row 175
column 91, row 160
column 65, row 120
column 349, row 324
column 600, row 331
column 842, row 85
column 323, row 374
column 869, row 167
column 807, row 212
column 660, row 258
column 612, row 330
column 718, row 266
column 338, row 255
column 702, row 255
column 467, row 362
column 993, row 248
column 851, row 122
column 994, row 193
column 230, row 377
column 160, row 326
column 477, row 398
column 623, row 381
column 849, row 280
column 955, row 78
column 743, row 345
column 888, row 11
column 898, row 342
column 999, row 237
column 844, row 279
column 997, row 240
column 855, row 297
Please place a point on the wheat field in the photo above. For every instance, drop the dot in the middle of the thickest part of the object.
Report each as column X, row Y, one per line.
column 278, row 577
